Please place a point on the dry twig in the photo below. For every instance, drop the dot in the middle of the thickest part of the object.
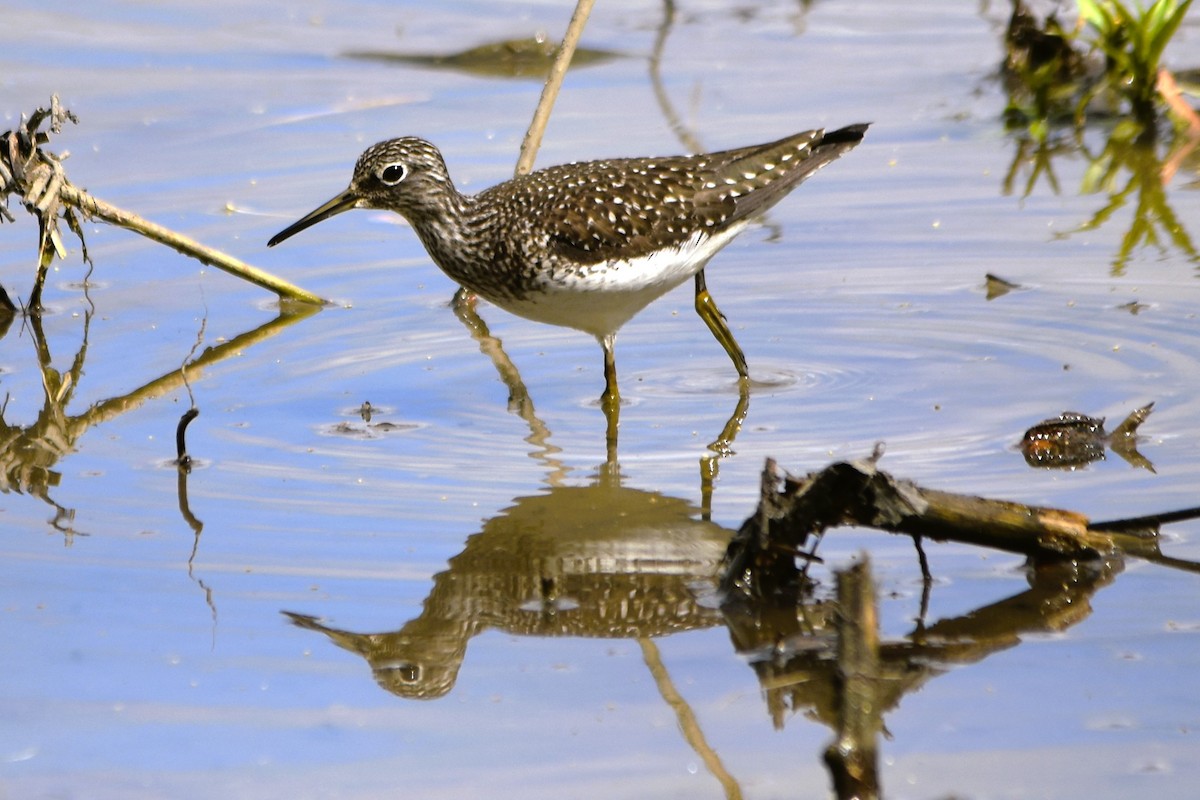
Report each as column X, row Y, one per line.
column 533, row 137
column 37, row 176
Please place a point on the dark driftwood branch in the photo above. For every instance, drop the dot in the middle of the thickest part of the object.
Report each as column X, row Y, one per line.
column 793, row 511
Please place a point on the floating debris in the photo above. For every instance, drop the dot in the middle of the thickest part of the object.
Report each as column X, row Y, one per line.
column 998, row 287
column 1073, row 440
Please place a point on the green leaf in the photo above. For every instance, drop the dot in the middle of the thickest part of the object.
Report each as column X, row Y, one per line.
column 1096, row 15
column 1166, row 30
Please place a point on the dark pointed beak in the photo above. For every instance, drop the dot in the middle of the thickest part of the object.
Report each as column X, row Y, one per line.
column 343, row 202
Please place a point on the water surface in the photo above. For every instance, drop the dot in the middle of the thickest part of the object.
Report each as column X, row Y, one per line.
column 146, row 652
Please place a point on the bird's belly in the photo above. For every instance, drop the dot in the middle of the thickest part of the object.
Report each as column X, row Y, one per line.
column 600, row 298
column 598, row 308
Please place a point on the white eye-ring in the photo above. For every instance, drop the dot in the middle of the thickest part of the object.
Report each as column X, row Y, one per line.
column 393, row 173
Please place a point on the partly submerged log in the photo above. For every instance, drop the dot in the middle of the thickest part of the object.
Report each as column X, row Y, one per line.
column 793, row 511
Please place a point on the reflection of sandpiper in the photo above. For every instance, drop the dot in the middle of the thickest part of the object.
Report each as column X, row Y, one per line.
column 587, row 245
column 598, row 561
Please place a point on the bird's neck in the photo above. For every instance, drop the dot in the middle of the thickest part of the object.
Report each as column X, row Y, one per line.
column 445, row 228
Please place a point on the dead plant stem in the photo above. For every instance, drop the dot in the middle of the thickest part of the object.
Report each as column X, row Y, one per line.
column 541, row 116
column 95, row 207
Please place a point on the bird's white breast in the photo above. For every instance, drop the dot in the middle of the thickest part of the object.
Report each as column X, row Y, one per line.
column 602, row 297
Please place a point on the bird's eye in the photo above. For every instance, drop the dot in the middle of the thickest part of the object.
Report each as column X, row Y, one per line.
column 393, row 174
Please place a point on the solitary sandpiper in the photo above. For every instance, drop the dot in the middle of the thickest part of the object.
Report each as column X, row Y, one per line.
column 587, row 245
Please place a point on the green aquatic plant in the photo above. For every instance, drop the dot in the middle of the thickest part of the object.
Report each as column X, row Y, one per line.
column 1132, row 40
column 1055, row 87
column 1107, row 65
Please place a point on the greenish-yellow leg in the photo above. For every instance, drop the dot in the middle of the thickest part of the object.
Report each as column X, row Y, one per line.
column 610, row 401
column 706, row 307
column 612, row 396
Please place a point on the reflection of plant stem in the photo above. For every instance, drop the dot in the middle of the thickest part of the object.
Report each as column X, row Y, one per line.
column 197, row 526
column 54, row 424
column 660, row 92
column 688, row 724
column 28, row 453
column 533, row 137
column 853, row 757
column 185, row 511
column 1041, row 162
column 1152, row 211
column 1178, row 156
column 1168, row 89
column 113, row 407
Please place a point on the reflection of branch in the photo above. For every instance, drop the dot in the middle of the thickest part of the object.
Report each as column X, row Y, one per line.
column 113, row 407
column 793, row 650
column 28, row 453
column 660, row 92
column 688, row 723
